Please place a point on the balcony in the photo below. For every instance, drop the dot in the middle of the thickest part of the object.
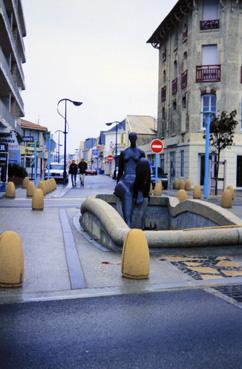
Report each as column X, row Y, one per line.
column 184, row 80
column 174, row 86
column 209, row 24
column 163, row 94
column 208, row 73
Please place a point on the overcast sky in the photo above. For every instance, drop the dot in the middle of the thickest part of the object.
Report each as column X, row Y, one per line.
column 94, row 51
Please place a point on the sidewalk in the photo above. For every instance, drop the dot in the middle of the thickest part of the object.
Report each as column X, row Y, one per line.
column 61, row 261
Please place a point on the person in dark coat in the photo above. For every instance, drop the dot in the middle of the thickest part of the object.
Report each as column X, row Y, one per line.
column 82, row 166
column 73, row 172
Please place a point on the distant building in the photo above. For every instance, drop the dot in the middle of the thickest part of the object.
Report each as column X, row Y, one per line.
column 144, row 126
column 39, row 134
column 200, row 70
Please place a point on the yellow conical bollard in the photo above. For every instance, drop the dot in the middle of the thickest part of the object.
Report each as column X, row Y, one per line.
column 158, row 189
column 176, row 184
column 38, row 200
column 188, row 185
column 226, row 199
column 182, row 184
column 11, row 260
column 135, row 255
column 42, row 186
column 10, row 190
column 25, row 182
column 30, row 189
column 48, row 185
column 197, row 193
column 182, row 195
column 231, row 188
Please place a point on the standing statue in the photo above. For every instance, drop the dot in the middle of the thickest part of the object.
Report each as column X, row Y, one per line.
column 133, row 178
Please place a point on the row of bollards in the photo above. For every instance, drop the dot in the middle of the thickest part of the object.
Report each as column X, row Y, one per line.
column 37, row 194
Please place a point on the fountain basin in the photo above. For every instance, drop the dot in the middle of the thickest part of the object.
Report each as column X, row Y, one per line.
column 168, row 223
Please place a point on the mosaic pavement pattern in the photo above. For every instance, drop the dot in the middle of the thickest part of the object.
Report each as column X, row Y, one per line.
column 206, row 267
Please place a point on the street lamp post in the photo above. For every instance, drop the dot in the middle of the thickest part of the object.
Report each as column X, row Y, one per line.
column 116, row 145
column 76, row 103
column 208, row 116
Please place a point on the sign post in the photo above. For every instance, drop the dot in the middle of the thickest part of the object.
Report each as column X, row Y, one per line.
column 157, row 147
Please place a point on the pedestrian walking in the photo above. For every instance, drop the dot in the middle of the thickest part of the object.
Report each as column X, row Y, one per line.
column 73, row 169
column 82, row 166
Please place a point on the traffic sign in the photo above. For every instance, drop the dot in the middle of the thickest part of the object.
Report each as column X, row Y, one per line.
column 157, row 146
column 110, row 157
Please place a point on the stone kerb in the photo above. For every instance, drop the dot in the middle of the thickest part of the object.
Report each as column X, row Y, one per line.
column 108, row 217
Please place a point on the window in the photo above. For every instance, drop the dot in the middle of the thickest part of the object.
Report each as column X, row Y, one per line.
column 208, row 104
column 184, row 101
column 174, row 105
column 163, row 113
column 241, row 114
column 182, row 163
column 210, row 16
column 164, row 76
column 210, row 9
column 209, row 55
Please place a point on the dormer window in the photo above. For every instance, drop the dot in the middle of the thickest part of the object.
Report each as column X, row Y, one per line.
column 210, row 15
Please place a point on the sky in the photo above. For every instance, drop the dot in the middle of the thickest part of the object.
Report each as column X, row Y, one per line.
column 93, row 51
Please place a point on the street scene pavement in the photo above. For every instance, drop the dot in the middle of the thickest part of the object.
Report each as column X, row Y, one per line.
column 75, row 310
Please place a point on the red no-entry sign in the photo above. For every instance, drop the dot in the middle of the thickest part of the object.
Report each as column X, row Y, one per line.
column 157, row 146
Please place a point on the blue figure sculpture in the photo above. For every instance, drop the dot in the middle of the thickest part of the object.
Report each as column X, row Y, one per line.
column 133, row 178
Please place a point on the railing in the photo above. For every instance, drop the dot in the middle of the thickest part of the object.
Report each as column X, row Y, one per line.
column 209, row 24
column 163, row 94
column 208, row 73
column 174, row 86
column 12, row 41
column 8, row 76
column 184, row 80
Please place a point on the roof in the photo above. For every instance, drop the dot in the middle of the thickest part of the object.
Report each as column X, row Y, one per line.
column 141, row 124
column 25, row 124
column 181, row 9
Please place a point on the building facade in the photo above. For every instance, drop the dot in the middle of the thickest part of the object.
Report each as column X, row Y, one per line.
column 200, row 70
column 12, row 56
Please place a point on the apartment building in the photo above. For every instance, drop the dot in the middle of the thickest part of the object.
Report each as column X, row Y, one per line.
column 200, row 70
column 12, row 55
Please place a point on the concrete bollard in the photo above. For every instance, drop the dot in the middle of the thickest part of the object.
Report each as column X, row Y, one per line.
column 181, row 195
column 30, row 189
column 11, row 260
column 42, row 186
column 176, row 184
column 135, row 255
column 25, row 182
column 10, row 190
column 54, row 181
column 197, row 193
column 188, row 185
column 158, row 189
column 231, row 188
column 38, row 200
column 48, row 185
column 182, row 184
column 226, row 199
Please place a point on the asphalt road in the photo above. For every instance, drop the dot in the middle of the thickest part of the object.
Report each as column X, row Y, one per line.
column 188, row 329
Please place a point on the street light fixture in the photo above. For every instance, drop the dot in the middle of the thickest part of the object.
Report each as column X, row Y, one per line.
column 76, row 103
column 116, row 145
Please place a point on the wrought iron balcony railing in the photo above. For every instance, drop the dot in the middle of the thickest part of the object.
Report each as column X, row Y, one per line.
column 208, row 73
column 209, row 24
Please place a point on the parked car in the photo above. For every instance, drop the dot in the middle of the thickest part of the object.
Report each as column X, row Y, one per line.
column 56, row 171
column 161, row 177
column 92, row 172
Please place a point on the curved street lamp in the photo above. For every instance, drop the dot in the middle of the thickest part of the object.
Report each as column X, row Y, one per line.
column 76, row 103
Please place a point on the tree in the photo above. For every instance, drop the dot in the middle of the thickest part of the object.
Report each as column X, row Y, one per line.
column 222, row 131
